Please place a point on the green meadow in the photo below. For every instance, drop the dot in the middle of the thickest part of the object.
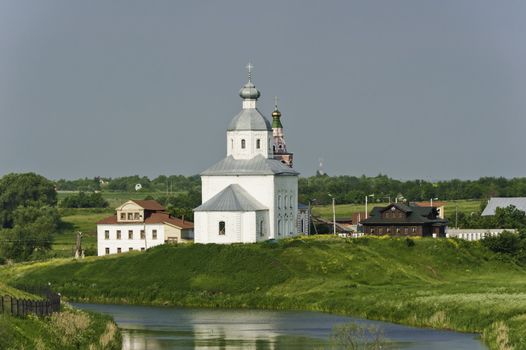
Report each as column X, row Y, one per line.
column 466, row 206
column 439, row 283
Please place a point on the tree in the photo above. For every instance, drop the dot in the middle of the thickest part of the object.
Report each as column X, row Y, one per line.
column 32, row 232
column 510, row 217
column 27, row 215
column 83, row 200
column 27, row 189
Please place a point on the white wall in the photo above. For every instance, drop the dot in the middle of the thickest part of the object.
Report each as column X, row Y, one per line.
column 270, row 191
column 233, row 141
column 286, row 206
column 124, row 243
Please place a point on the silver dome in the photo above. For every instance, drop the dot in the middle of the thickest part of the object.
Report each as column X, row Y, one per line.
column 249, row 92
column 249, row 119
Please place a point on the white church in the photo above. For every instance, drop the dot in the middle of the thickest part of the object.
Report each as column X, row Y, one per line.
column 250, row 195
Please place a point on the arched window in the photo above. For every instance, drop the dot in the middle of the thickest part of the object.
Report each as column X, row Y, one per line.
column 222, row 228
column 258, row 143
column 279, row 201
column 273, row 148
column 231, row 143
column 243, row 143
column 279, row 227
column 261, row 233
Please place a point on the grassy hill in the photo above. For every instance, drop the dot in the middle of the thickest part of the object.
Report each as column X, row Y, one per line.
column 440, row 283
column 69, row 329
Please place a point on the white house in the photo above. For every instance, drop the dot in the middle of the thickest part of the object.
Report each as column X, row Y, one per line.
column 248, row 196
column 138, row 225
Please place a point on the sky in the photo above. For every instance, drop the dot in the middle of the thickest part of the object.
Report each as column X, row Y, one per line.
column 414, row 89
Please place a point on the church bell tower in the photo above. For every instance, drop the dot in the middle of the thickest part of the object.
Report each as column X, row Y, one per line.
column 279, row 146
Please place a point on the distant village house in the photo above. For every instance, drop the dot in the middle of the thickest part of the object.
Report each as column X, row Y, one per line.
column 139, row 225
column 398, row 219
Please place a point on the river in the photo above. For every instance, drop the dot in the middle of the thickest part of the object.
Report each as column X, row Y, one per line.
column 156, row 328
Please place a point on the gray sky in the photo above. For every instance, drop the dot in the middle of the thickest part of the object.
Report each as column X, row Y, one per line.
column 411, row 89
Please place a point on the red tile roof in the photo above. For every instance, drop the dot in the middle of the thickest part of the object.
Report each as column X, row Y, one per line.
column 149, row 204
column 153, row 218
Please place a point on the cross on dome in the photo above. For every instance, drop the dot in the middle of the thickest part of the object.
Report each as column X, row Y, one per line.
column 249, row 68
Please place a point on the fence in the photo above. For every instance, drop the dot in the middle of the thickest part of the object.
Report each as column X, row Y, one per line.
column 23, row 307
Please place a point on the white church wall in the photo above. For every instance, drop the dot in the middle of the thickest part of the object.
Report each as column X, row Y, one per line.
column 234, row 144
column 207, row 227
column 286, row 206
column 260, row 187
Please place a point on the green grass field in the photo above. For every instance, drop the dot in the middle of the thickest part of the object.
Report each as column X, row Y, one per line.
column 466, row 206
column 440, row 283
column 83, row 220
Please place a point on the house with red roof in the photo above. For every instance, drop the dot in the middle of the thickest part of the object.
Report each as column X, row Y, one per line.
column 138, row 225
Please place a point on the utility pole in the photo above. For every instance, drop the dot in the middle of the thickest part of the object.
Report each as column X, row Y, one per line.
column 366, row 198
column 333, row 214
column 79, row 253
column 456, row 216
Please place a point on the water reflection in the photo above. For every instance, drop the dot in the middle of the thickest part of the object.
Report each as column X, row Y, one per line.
column 169, row 328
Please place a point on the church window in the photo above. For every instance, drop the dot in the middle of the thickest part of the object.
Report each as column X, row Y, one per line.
column 123, row 216
column 279, row 201
column 232, row 143
column 274, row 148
column 107, row 234
column 130, row 234
column 258, row 143
column 261, row 233
column 130, row 216
column 222, row 227
column 119, row 250
column 279, row 227
column 135, row 216
column 107, row 251
column 118, row 234
column 154, row 234
column 143, row 236
column 243, row 143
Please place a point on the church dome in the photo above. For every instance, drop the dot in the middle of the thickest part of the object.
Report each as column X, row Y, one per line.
column 249, row 119
column 276, row 113
column 249, row 92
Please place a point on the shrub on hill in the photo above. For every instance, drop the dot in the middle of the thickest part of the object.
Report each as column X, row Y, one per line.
column 83, row 200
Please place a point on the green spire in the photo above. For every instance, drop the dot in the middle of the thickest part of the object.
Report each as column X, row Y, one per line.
column 276, row 116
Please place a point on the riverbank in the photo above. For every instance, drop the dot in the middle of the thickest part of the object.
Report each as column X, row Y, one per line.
column 445, row 284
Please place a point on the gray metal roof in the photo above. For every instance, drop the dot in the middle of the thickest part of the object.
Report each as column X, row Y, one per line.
column 503, row 202
column 249, row 119
column 232, row 198
column 258, row 165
